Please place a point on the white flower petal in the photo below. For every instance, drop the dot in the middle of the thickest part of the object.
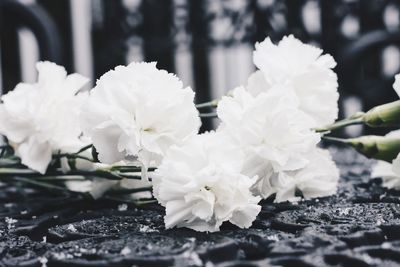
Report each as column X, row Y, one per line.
column 320, row 177
column 105, row 140
column 244, row 218
column 35, row 154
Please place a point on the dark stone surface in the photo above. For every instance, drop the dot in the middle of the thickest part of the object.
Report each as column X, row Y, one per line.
column 359, row 226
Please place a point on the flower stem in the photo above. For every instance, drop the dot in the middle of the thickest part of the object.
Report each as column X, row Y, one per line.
column 30, row 173
column 212, row 104
column 208, row 115
column 372, row 146
column 129, row 191
column 73, row 156
column 48, row 186
column 137, row 202
column 356, row 119
column 84, row 149
column 129, row 169
column 335, row 139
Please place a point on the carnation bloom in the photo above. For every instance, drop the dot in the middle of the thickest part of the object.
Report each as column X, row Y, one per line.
column 138, row 112
column 319, row 178
column 42, row 118
column 269, row 127
column 301, row 67
column 389, row 172
column 200, row 185
column 274, row 134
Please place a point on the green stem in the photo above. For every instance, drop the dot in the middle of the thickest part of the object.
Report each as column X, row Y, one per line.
column 335, row 139
column 340, row 124
column 208, row 115
column 12, row 165
column 130, row 169
column 84, row 149
column 125, row 168
column 76, row 154
column 59, row 179
column 127, row 176
column 44, row 185
column 212, row 104
column 29, row 173
column 144, row 202
column 73, row 156
column 129, row 191
column 135, row 202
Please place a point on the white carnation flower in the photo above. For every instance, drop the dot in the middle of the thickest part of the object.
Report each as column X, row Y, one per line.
column 138, row 112
column 301, row 67
column 274, row 134
column 269, row 127
column 389, row 172
column 200, row 185
column 42, row 118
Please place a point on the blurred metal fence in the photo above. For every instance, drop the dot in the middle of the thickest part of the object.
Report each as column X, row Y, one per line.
column 208, row 43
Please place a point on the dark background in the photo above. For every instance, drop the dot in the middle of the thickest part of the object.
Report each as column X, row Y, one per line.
column 208, row 43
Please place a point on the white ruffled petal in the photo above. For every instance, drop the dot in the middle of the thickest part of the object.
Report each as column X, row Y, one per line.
column 35, row 154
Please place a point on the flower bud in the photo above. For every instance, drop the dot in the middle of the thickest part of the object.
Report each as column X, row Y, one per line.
column 373, row 146
column 386, row 115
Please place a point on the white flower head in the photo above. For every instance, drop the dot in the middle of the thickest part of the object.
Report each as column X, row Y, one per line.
column 301, row 67
column 268, row 126
column 200, row 185
column 42, row 118
column 138, row 111
column 272, row 132
column 389, row 172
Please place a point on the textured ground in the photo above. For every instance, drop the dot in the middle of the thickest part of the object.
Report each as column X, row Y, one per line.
column 360, row 226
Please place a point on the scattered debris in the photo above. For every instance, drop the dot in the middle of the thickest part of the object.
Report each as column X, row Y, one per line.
column 122, row 207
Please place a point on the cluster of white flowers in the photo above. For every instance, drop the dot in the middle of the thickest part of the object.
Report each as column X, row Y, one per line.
column 140, row 115
column 271, row 120
column 264, row 145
